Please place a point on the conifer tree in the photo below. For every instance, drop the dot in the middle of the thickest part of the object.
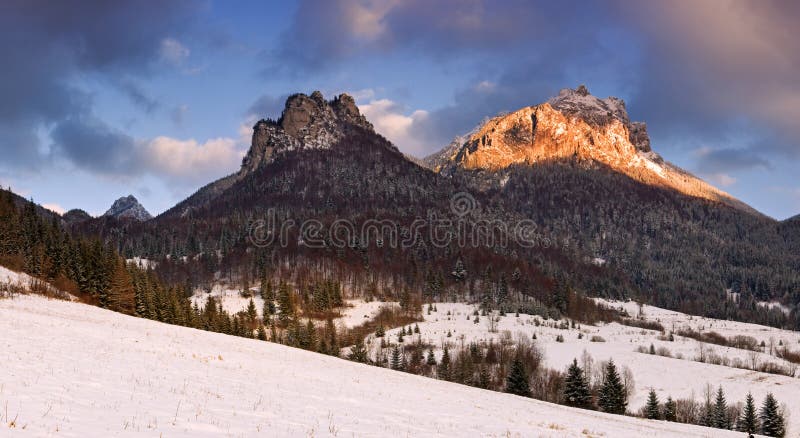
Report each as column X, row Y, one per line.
column 333, row 344
column 651, row 409
column 380, row 331
column 517, row 379
column 576, row 389
column 613, row 397
column 358, row 353
column 670, row 410
column 252, row 313
column 262, row 334
column 396, row 362
column 484, row 378
column 748, row 421
column 443, row 369
column 431, row 359
column 122, row 296
column 285, row 304
column 720, row 415
column 310, row 336
column 772, row 423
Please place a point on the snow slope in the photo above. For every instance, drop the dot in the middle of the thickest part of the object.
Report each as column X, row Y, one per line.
column 72, row 370
column 679, row 378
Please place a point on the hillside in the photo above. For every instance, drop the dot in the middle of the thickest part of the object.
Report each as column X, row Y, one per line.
column 576, row 170
column 76, row 370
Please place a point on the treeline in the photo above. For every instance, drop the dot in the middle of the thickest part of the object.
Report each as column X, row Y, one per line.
column 83, row 267
column 716, row 412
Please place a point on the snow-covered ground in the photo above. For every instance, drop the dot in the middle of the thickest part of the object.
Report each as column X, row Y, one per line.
column 73, row 370
column 231, row 299
column 19, row 280
column 679, row 378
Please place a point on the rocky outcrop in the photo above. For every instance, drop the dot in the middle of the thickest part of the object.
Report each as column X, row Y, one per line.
column 307, row 122
column 575, row 125
column 128, row 208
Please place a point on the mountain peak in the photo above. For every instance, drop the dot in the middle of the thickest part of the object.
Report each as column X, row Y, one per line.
column 575, row 125
column 128, row 207
column 307, row 122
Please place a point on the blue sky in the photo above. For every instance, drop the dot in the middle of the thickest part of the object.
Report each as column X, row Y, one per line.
column 155, row 99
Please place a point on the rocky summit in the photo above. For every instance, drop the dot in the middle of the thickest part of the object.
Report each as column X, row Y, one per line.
column 128, row 207
column 576, row 126
column 307, row 122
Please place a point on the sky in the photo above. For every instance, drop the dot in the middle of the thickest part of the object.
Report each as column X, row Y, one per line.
column 101, row 99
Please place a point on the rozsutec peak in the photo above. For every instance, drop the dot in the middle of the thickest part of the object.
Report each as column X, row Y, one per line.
column 574, row 125
column 128, row 207
column 307, row 122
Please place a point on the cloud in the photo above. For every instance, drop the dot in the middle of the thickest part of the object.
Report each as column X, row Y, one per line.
column 389, row 120
column 188, row 161
column 64, row 43
column 55, row 208
column 720, row 161
column 92, row 145
column 173, row 52
column 694, row 74
column 324, row 32
column 137, row 95
column 738, row 62
column 721, row 179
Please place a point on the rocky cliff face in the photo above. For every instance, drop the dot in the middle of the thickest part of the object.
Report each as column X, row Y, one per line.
column 128, row 208
column 575, row 125
column 307, row 122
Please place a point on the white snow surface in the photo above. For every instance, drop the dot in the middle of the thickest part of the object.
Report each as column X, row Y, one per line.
column 21, row 279
column 231, row 299
column 679, row 378
column 72, row 370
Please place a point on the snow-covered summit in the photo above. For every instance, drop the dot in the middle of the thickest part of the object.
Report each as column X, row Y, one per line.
column 128, row 207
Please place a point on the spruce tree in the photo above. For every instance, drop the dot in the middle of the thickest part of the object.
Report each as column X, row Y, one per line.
column 748, row 421
column 670, row 410
column 358, row 353
column 613, row 397
column 262, row 334
column 443, row 369
column 772, row 423
column 484, row 377
column 122, row 296
column 252, row 314
column 396, row 361
column 431, row 359
column 651, row 409
column 720, row 413
column 285, row 304
column 517, row 380
column 576, row 389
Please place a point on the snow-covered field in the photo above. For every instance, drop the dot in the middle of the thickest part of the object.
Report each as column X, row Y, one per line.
column 75, row 371
column 679, row 378
column 10, row 280
column 231, row 299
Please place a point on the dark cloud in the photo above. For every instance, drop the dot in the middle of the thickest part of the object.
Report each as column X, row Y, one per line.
column 138, row 96
column 326, row 32
column 729, row 160
column 45, row 45
column 98, row 147
column 694, row 74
